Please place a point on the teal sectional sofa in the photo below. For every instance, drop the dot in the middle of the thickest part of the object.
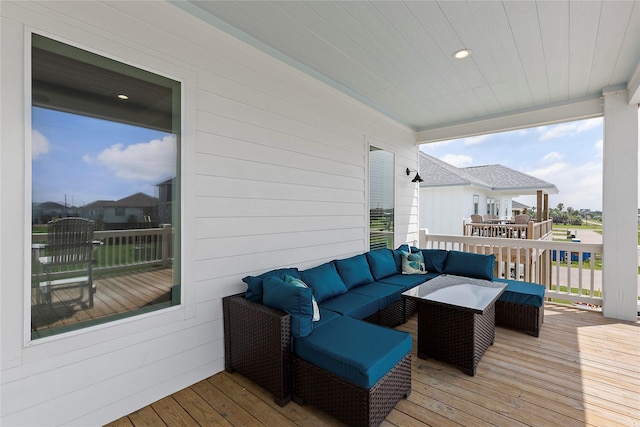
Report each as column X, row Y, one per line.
column 323, row 335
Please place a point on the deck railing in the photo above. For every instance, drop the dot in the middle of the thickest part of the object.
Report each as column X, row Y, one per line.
column 117, row 250
column 532, row 230
column 571, row 271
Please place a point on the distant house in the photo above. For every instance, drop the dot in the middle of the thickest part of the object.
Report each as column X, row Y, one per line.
column 449, row 195
column 165, row 201
column 136, row 211
column 44, row 212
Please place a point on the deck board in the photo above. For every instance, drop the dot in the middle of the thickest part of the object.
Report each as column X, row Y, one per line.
column 115, row 293
column 583, row 370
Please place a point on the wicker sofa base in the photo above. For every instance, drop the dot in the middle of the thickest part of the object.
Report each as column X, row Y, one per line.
column 257, row 343
column 519, row 316
column 349, row 403
column 390, row 316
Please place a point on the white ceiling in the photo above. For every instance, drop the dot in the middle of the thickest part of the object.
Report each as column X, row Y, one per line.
column 396, row 55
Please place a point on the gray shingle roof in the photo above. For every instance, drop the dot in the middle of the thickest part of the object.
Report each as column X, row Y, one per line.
column 436, row 173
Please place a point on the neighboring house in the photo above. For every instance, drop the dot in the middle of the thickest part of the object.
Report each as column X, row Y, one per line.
column 165, row 201
column 449, row 195
column 136, row 211
column 44, row 212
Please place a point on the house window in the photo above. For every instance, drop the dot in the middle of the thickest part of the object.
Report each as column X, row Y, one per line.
column 103, row 132
column 491, row 205
column 476, row 203
column 381, row 198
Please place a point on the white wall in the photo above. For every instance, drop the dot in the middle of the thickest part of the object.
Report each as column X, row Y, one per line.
column 275, row 175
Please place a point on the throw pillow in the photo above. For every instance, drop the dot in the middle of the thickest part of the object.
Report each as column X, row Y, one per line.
column 298, row 282
column 292, row 299
column 413, row 263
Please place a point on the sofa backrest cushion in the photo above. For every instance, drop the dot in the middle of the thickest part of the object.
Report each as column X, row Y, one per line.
column 435, row 259
column 293, row 299
column 381, row 263
column 254, row 283
column 471, row 265
column 354, row 271
column 324, row 280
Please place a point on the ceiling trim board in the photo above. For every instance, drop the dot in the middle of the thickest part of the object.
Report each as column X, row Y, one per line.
column 578, row 110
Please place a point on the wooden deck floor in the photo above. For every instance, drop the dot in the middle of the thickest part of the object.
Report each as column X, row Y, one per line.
column 117, row 293
column 583, row 370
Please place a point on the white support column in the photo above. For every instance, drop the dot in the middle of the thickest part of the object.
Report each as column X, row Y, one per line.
column 620, row 204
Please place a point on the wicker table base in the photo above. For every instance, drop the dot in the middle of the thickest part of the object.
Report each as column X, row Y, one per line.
column 455, row 336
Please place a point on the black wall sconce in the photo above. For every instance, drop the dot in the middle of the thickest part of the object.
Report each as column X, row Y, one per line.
column 417, row 177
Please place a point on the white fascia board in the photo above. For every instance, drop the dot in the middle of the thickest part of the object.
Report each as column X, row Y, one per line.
column 584, row 108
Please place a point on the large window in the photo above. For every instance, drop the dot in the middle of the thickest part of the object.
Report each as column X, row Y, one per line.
column 476, row 203
column 381, row 198
column 105, row 189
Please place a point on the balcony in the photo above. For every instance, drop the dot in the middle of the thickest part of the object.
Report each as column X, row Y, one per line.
column 582, row 370
column 570, row 271
column 132, row 272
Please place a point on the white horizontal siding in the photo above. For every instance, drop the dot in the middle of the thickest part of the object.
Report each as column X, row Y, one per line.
column 275, row 173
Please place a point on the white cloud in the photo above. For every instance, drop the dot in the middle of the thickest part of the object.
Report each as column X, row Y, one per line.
column 552, row 156
column 580, row 186
column 148, row 161
column 473, row 140
column 567, row 129
column 39, row 144
column 457, row 160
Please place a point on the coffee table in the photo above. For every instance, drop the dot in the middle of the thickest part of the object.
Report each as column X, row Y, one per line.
column 456, row 319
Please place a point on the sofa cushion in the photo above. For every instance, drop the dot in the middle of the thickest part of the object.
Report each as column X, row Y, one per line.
column 352, row 304
column 254, row 283
column 354, row 271
column 413, row 263
column 298, row 282
column 325, row 316
column 525, row 293
column 295, row 300
column 408, row 281
column 324, row 280
column 357, row 351
column 381, row 263
column 435, row 259
column 471, row 265
column 385, row 293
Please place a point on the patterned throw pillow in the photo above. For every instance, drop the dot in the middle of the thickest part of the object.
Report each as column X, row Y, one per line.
column 298, row 282
column 413, row 263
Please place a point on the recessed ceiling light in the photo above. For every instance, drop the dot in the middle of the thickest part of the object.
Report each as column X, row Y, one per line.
column 122, row 96
column 461, row 54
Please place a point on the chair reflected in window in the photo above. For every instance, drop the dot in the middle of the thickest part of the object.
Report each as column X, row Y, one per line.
column 68, row 260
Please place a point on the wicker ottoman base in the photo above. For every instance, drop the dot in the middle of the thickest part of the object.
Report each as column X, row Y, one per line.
column 526, row 318
column 346, row 401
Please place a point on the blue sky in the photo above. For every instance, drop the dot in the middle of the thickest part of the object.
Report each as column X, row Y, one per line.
column 568, row 155
column 87, row 159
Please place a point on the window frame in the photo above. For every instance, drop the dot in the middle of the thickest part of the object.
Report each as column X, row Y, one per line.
column 183, row 262
column 370, row 148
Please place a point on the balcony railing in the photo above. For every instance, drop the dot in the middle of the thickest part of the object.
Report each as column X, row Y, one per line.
column 532, row 230
column 569, row 271
column 122, row 250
